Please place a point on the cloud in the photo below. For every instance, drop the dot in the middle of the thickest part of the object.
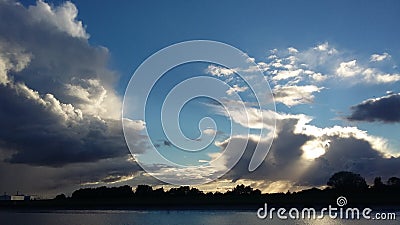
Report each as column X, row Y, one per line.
column 236, row 89
column 378, row 57
column 303, row 154
column 368, row 75
column 196, row 175
column 285, row 74
column 219, row 71
column 292, row 50
column 62, row 17
column 325, row 47
column 44, row 131
column 383, row 109
column 306, row 155
column 326, row 63
column 60, row 113
column 348, row 69
column 374, row 76
column 53, row 67
column 210, row 131
column 295, row 95
column 54, row 180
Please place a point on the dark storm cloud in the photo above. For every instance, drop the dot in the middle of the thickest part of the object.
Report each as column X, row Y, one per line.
column 53, row 181
column 346, row 151
column 38, row 136
column 385, row 109
column 57, row 102
column 59, row 112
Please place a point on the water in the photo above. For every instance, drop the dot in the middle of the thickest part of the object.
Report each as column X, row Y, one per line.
column 160, row 217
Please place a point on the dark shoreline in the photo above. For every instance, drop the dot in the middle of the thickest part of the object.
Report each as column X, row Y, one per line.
column 345, row 192
column 53, row 205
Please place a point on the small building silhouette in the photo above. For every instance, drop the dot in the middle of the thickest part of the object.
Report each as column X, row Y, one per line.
column 17, row 197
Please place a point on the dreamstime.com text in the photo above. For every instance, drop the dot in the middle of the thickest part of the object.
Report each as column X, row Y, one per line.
column 333, row 212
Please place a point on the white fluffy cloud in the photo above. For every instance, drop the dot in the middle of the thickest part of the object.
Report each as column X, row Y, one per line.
column 323, row 63
column 374, row 76
column 368, row 75
column 295, row 95
column 379, row 57
column 348, row 69
column 63, row 17
column 325, row 47
column 219, row 71
column 286, row 74
column 292, row 50
column 235, row 89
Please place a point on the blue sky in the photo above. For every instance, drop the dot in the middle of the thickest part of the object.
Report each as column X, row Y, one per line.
column 256, row 27
column 332, row 67
column 252, row 27
column 359, row 29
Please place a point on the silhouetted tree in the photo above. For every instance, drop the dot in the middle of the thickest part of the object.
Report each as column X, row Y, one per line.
column 345, row 180
column 159, row 191
column 143, row 190
column 195, row 192
column 103, row 192
column 181, row 191
column 243, row 190
column 378, row 184
column 60, row 197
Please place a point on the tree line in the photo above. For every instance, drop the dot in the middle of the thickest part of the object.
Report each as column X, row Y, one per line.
column 344, row 183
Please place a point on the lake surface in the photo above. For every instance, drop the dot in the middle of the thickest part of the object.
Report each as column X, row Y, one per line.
column 159, row 217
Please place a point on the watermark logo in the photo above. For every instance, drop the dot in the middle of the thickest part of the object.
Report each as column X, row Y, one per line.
column 341, row 201
column 332, row 212
column 252, row 119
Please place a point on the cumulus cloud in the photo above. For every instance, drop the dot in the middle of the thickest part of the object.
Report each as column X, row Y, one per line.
column 59, row 62
column 54, row 103
column 62, row 17
column 383, row 109
column 59, row 107
column 219, row 71
column 40, row 130
column 348, row 69
column 369, row 75
column 379, row 57
column 285, row 74
column 236, row 89
column 323, row 63
column 374, row 76
column 292, row 50
column 306, row 155
column 325, row 47
column 295, row 95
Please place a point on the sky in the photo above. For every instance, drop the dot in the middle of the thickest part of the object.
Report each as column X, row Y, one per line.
column 332, row 67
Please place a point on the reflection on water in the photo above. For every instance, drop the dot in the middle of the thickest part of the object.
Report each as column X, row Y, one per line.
column 84, row 217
